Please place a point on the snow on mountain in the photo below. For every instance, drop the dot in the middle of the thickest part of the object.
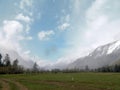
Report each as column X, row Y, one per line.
column 14, row 55
column 101, row 56
column 113, row 47
column 106, row 49
column 107, row 54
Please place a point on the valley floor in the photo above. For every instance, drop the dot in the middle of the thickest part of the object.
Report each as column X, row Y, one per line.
column 61, row 81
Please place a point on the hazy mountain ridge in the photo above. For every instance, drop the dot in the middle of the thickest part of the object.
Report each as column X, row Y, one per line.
column 108, row 54
column 14, row 55
column 103, row 55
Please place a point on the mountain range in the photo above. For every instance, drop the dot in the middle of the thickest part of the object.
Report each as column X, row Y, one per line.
column 108, row 54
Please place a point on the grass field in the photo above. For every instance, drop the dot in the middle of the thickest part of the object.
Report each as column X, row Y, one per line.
column 61, row 81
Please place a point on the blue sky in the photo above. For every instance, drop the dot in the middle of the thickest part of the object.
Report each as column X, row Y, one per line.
column 53, row 29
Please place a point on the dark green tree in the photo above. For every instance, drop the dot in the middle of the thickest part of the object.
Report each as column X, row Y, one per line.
column 86, row 68
column 0, row 60
column 7, row 60
column 35, row 67
column 15, row 63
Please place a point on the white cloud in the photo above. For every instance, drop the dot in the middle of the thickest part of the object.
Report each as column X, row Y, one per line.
column 27, row 52
column 27, row 28
column 64, row 26
column 26, row 19
column 26, row 6
column 25, row 3
column 29, row 38
column 64, row 22
column 11, row 33
column 21, row 17
column 12, row 28
column 67, row 18
column 44, row 35
column 96, row 9
column 76, row 6
column 25, row 38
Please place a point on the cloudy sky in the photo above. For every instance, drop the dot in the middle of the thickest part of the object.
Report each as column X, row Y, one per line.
column 54, row 30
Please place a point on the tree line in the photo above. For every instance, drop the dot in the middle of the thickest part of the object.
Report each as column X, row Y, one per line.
column 7, row 67
column 109, row 68
column 106, row 68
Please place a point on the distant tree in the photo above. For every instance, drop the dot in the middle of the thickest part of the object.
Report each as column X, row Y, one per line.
column 28, row 71
column 55, row 70
column 15, row 63
column 86, row 68
column 15, row 67
column 35, row 67
column 113, row 68
column 7, row 60
column 0, row 60
column 117, row 68
column 20, row 69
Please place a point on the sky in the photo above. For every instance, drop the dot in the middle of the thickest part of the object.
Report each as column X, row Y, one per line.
column 58, row 30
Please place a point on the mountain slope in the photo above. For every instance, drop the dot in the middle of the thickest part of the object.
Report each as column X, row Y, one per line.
column 14, row 55
column 101, row 56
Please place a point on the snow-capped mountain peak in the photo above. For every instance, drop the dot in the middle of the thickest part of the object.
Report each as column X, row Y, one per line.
column 106, row 49
column 114, row 46
column 103, row 55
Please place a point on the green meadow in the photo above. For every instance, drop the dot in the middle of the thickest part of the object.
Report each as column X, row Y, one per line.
column 61, row 81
